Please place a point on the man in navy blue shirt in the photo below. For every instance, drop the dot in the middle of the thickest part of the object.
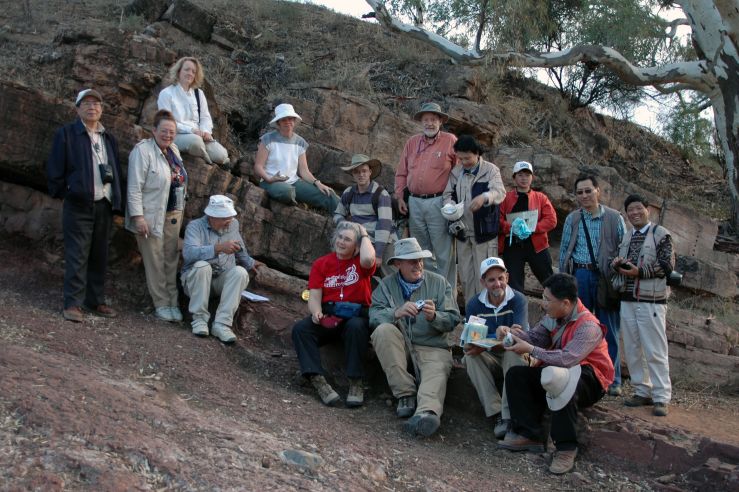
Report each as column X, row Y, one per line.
column 499, row 305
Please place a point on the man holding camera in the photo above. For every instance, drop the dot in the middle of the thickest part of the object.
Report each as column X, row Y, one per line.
column 412, row 312
column 645, row 259
column 83, row 170
column 215, row 260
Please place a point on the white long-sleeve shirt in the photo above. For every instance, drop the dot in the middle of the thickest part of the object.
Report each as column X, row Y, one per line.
column 184, row 107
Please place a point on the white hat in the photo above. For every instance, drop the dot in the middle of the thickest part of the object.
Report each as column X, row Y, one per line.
column 560, row 384
column 88, row 93
column 489, row 263
column 284, row 111
column 450, row 211
column 523, row 166
column 220, row 207
column 408, row 249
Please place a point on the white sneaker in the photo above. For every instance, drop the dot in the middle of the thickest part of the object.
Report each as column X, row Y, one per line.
column 176, row 313
column 200, row 328
column 164, row 313
column 223, row 332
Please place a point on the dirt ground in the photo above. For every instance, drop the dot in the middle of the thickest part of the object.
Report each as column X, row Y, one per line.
column 137, row 404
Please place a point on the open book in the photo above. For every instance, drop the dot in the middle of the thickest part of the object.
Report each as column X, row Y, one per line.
column 475, row 332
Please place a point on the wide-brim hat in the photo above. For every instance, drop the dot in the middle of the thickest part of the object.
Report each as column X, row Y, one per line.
column 431, row 108
column 87, row 93
column 220, row 207
column 359, row 159
column 284, row 111
column 408, row 249
column 560, row 384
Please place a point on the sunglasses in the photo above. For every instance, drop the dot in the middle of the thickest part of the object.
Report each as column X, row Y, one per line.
column 584, row 192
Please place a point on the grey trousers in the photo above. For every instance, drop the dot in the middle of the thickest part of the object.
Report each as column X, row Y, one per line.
column 199, row 284
column 431, row 230
column 482, row 370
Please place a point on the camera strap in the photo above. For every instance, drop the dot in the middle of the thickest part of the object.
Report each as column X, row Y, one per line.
column 587, row 239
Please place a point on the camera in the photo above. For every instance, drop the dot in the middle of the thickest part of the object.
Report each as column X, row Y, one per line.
column 420, row 304
column 508, row 340
column 456, row 227
column 106, row 173
column 674, row 278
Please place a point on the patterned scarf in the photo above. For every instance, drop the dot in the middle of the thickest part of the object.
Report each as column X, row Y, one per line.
column 408, row 288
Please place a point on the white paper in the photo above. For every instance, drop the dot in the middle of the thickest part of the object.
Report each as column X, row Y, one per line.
column 254, row 297
column 531, row 217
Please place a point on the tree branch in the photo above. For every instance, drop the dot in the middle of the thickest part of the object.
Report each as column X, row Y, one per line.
column 674, row 24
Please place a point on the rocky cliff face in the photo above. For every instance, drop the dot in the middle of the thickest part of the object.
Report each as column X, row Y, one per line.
column 127, row 68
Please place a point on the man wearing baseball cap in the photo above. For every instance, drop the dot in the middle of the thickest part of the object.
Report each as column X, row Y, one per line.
column 84, row 171
column 499, row 305
column 215, row 261
column 519, row 245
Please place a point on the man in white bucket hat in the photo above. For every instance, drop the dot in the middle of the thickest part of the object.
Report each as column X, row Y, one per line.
column 413, row 312
column 215, row 262
column 282, row 166
column 569, row 336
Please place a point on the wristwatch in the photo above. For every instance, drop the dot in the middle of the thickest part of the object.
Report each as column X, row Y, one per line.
column 316, row 181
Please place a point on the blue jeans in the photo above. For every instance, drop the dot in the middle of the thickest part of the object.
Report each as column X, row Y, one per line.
column 301, row 191
column 587, row 291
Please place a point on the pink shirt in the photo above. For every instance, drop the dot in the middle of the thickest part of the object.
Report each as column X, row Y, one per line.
column 425, row 165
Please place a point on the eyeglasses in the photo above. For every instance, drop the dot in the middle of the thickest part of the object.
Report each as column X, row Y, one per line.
column 91, row 103
column 586, row 191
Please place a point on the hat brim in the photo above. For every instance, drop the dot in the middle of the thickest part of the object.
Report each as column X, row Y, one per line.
column 277, row 118
column 444, row 117
column 374, row 164
column 219, row 213
column 561, row 400
column 490, row 268
column 411, row 256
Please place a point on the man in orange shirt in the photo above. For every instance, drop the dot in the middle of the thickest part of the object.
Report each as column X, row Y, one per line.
column 423, row 171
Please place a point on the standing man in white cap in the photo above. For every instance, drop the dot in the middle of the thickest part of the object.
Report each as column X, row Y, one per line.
column 518, row 245
column 84, row 171
column 422, row 174
column 413, row 312
column 215, row 261
column 499, row 306
column 369, row 204
column 282, row 166
column 475, row 183
column 568, row 337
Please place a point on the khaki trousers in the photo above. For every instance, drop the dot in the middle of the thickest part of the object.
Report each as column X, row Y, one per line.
column 160, row 256
column 199, row 284
column 482, row 370
column 431, row 230
column 645, row 349
column 192, row 144
column 435, row 365
column 469, row 256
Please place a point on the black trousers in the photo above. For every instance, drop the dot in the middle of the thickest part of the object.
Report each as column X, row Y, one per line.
column 308, row 337
column 527, row 401
column 517, row 255
column 87, row 229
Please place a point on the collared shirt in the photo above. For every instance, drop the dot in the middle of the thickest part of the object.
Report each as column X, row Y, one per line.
column 483, row 297
column 581, row 254
column 99, row 156
column 184, row 107
column 200, row 241
column 425, row 164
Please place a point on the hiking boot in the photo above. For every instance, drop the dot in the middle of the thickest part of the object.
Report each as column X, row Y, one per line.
column 101, row 310
column 328, row 396
column 423, row 424
column 200, row 328
column 223, row 333
column 406, row 406
column 660, row 409
column 563, row 462
column 163, row 313
column 175, row 313
column 74, row 314
column 515, row 442
column 501, row 426
column 638, row 401
column 614, row 390
column 355, row 398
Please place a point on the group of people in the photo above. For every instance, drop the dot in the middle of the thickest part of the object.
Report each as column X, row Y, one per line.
column 463, row 224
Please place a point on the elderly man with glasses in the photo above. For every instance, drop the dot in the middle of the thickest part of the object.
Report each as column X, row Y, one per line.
column 590, row 239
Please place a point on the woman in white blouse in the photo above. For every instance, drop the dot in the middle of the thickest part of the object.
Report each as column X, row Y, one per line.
column 187, row 102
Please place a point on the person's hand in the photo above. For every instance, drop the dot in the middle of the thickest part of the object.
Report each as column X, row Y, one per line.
column 629, row 270
column 257, row 265
column 429, row 310
column 617, row 261
column 407, row 309
column 228, row 247
column 473, row 350
column 142, row 228
column 317, row 317
column 323, row 188
column 276, row 178
column 402, row 206
column 477, row 203
column 207, row 137
column 362, row 231
column 520, row 346
column 197, row 132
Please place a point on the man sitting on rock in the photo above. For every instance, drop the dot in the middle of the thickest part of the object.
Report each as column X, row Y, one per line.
column 500, row 306
column 215, row 260
column 574, row 372
column 413, row 312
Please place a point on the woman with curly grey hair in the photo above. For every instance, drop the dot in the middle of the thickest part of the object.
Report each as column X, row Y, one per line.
column 340, row 295
column 184, row 98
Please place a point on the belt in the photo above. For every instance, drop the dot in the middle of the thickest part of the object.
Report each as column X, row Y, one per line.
column 428, row 195
column 584, row 266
